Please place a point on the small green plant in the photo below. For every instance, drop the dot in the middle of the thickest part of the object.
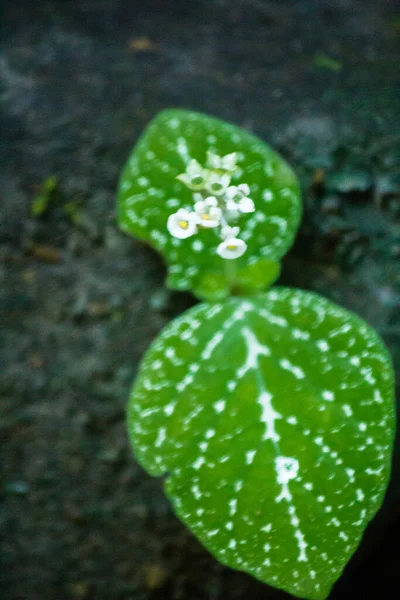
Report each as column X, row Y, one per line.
column 271, row 412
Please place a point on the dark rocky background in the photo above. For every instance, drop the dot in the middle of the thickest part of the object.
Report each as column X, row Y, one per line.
column 80, row 302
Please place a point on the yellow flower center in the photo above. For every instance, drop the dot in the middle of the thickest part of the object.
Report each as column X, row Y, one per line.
column 205, row 217
column 231, row 247
column 183, row 224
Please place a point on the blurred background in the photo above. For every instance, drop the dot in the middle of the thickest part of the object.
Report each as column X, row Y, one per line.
column 80, row 302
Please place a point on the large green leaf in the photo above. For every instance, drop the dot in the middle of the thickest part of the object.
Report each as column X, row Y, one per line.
column 149, row 192
column 273, row 418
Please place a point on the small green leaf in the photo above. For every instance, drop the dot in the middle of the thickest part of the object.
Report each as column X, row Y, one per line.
column 273, row 417
column 327, row 62
column 42, row 200
column 149, row 193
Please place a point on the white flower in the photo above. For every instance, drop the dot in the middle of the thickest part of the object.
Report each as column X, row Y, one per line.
column 217, row 184
column 231, row 247
column 209, row 201
column 238, row 199
column 222, row 163
column 195, row 176
column 229, row 232
column 182, row 224
column 208, row 213
column 236, row 192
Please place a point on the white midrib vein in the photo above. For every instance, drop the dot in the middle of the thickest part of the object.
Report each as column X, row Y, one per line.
column 269, row 415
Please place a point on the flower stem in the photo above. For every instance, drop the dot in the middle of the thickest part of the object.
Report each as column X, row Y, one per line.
column 230, row 271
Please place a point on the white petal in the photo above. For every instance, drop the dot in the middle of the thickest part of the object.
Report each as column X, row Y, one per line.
column 183, row 213
column 244, row 188
column 229, row 232
column 215, row 212
column 200, row 207
column 211, row 201
column 225, row 180
column 232, row 191
column 208, row 223
column 184, row 178
column 194, row 168
column 246, row 205
column 213, row 160
column 229, row 161
column 231, row 205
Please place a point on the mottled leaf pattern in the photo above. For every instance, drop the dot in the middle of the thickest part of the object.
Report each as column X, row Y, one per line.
column 149, row 192
column 273, row 418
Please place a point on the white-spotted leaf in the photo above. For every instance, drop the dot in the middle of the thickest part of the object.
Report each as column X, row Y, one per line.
column 149, row 192
column 273, row 418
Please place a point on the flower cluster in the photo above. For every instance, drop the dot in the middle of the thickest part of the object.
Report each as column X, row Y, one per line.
column 216, row 203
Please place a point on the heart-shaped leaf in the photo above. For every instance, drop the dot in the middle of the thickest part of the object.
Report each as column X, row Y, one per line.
column 273, row 417
column 150, row 192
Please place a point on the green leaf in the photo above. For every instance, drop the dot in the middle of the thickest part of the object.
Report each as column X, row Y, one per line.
column 149, row 192
column 42, row 200
column 327, row 62
column 273, row 417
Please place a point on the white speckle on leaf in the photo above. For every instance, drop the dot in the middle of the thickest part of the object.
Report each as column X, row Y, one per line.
column 197, row 245
column 355, row 360
column 196, row 492
column 169, row 408
column 267, row 195
column 199, row 462
column 212, row 532
column 212, row 344
column 288, row 366
column 219, row 406
column 232, row 506
column 347, row 410
column 286, row 468
column 300, row 335
column 267, row 547
column 250, row 456
column 183, row 150
column 360, row 495
column 161, row 436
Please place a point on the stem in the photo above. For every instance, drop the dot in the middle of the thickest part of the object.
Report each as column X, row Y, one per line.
column 230, row 271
